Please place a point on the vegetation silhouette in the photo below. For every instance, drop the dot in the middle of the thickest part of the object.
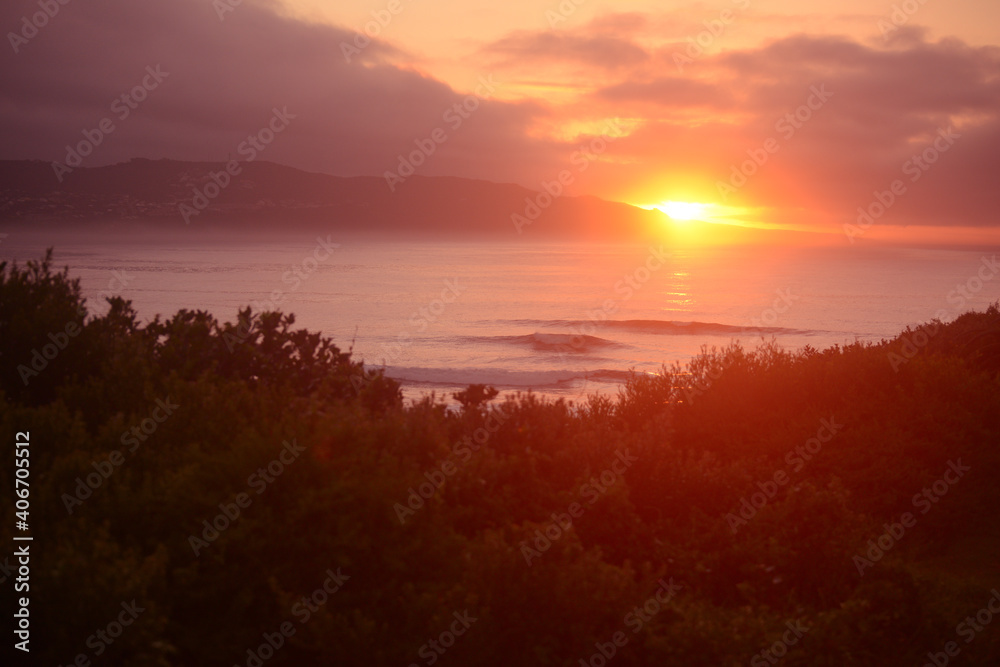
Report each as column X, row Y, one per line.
column 486, row 483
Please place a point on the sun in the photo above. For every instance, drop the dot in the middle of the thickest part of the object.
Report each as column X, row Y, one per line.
column 683, row 210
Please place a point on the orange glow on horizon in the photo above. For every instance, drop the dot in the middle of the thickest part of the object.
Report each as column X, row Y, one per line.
column 684, row 211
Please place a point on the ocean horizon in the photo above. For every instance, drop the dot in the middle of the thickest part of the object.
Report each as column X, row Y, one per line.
column 560, row 319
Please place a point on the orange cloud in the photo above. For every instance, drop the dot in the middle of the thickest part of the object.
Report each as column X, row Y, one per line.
column 745, row 115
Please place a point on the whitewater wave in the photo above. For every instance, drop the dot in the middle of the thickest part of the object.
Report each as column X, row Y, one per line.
column 665, row 327
column 551, row 342
column 502, row 378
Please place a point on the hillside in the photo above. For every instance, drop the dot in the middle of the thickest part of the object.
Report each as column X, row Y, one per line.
column 268, row 195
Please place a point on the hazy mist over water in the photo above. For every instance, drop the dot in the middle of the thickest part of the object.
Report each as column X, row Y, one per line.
column 561, row 319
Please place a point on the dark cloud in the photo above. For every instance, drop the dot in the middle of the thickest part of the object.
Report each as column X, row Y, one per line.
column 224, row 78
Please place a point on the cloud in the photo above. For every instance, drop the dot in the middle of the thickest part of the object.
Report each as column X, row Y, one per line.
column 528, row 48
column 687, row 130
column 224, row 78
column 889, row 105
column 671, row 91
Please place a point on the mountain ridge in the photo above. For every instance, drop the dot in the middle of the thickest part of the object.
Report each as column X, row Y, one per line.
column 261, row 194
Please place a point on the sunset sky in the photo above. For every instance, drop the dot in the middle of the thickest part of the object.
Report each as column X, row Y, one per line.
column 772, row 112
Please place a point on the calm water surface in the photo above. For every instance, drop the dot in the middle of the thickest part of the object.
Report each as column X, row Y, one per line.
column 561, row 319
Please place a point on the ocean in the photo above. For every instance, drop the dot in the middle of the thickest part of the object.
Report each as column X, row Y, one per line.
column 559, row 319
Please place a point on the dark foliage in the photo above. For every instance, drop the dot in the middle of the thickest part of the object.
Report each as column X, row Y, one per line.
column 549, row 522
